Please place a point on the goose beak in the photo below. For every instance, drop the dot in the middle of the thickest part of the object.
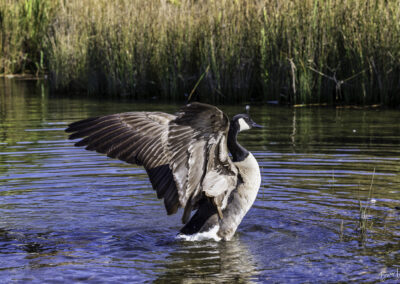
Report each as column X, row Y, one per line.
column 255, row 125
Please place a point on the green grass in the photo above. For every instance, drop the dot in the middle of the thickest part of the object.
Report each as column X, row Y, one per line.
column 364, row 222
column 297, row 52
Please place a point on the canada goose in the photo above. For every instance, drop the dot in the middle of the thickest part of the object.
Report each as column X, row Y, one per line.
column 186, row 157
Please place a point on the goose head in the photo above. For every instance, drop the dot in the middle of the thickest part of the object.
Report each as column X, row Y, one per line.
column 243, row 122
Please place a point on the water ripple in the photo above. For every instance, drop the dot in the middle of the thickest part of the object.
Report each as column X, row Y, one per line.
column 326, row 210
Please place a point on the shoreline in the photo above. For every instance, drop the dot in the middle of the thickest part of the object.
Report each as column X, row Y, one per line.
column 30, row 77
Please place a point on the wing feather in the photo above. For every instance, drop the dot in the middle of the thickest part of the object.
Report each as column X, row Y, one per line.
column 134, row 137
column 86, row 123
column 104, row 143
column 102, row 126
column 124, row 146
column 98, row 137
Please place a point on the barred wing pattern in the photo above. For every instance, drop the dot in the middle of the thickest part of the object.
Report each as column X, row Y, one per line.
column 185, row 156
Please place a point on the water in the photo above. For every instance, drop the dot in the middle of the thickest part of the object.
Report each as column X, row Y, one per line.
column 326, row 210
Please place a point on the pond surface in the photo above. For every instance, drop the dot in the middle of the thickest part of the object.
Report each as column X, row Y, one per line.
column 326, row 210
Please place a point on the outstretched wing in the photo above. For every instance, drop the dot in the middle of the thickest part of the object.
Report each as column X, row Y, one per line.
column 185, row 156
column 137, row 138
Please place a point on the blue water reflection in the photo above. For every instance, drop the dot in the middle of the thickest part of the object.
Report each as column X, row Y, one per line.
column 326, row 210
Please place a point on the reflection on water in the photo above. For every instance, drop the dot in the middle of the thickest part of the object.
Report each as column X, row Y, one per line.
column 207, row 261
column 328, row 208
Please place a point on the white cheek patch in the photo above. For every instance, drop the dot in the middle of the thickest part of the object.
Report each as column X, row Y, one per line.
column 243, row 125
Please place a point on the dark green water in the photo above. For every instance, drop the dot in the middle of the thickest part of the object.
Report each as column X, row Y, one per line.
column 326, row 211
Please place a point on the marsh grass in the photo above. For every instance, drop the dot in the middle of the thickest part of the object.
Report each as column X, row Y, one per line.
column 23, row 28
column 364, row 221
column 298, row 51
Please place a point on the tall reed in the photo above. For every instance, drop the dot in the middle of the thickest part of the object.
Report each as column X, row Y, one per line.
column 297, row 51
column 23, row 29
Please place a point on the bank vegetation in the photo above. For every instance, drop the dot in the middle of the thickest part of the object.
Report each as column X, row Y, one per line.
column 296, row 51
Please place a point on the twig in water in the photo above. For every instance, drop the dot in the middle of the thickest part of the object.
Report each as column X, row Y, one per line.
column 341, row 231
column 338, row 83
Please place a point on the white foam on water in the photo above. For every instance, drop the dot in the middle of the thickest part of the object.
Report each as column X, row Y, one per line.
column 209, row 235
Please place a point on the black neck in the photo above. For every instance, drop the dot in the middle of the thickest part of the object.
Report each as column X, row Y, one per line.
column 239, row 153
